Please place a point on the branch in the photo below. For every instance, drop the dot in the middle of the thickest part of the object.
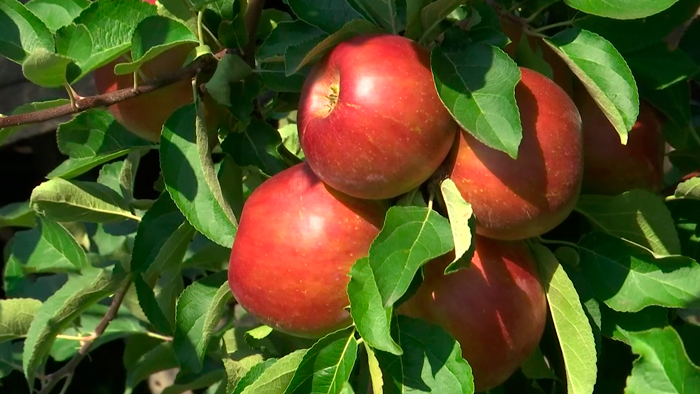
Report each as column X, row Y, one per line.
column 69, row 368
column 252, row 20
column 107, row 99
column 507, row 15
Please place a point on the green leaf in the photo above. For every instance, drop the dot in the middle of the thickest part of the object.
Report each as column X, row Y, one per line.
column 275, row 378
column 570, row 321
column 657, row 67
column 674, row 102
column 637, row 216
column 60, row 310
column 146, row 44
column 257, row 146
column 384, row 12
column 663, row 365
column 212, row 373
column 290, row 139
column 71, row 201
column 329, row 16
column 688, row 189
column 621, row 9
column 629, row 278
column 47, row 248
column 157, row 226
column 326, row 366
column 150, row 307
column 411, row 237
column 462, row 224
column 254, row 373
column 74, row 42
column 15, row 317
column 372, row 319
column 375, row 372
column 230, row 69
column 286, row 35
column 23, row 33
column 477, row 85
column 92, row 138
column 414, row 25
column 17, row 214
column 431, row 363
column 158, row 358
column 6, row 132
column 199, row 309
column 352, row 29
column 171, row 254
column 57, row 13
column 620, row 325
column 434, row 13
column 46, row 69
column 185, row 178
column 111, row 24
column 604, row 73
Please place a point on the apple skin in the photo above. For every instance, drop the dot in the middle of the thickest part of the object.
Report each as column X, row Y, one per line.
column 611, row 168
column 496, row 309
column 526, row 197
column 145, row 115
column 296, row 242
column 387, row 131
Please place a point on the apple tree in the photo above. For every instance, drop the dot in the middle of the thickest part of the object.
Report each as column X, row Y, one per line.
column 357, row 196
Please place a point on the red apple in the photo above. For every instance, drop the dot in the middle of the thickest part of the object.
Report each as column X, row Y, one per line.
column 295, row 245
column 370, row 121
column 611, row 168
column 526, row 197
column 496, row 309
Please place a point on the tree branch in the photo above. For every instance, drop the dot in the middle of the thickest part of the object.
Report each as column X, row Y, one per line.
column 252, row 20
column 507, row 15
column 107, row 99
column 69, row 368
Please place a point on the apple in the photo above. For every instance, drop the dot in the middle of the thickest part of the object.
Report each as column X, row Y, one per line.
column 528, row 196
column 496, row 309
column 611, row 168
column 370, row 121
column 296, row 242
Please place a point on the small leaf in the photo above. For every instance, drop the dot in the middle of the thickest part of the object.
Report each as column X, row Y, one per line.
column 431, row 363
column 375, row 372
column 327, row 16
column 150, row 307
column 275, row 377
column 184, row 176
column 657, row 67
column 620, row 325
column 414, row 25
column 74, row 42
column 71, row 201
column 57, row 13
column 17, row 214
column 286, row 35
column 157, row 226
column 689, row 189
column 212, row 373
column 570, row 321
column 256, row 146
column 433, row 14
column 477, row 85
column 171, row 254
column 382, row 11
column 674, row 103
column 230, row 69
column 462, row 224
column 637, row 216
column 621, row 9
column 15, row 317
column 290, row 140
column 603, row 72
column 326, row 366
column 629, row 278
column 411, row 237
column 199, row 309
column 372, row 319
column 663, row 365
column 152, row 360
column 46, row 69
column 24, row 33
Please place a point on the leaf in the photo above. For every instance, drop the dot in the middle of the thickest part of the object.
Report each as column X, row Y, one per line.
column 46, row 69
column 57, row 13
column 92, row 138
column 276, row 377
column 230, row 69
column 286, row 35
column 157, row 226
column 674, row 103
column 184, row 176
column 414, row 25
column 47, row 248
column 571, row 324
column 434, row 13
column 15, row 317
column 620, row 325
column 663, row 365
column 372, row 319
column 254, row 373
column 327, row 365
column 71, row 201
column 199, row 309
column 477, row 85
column 149, row 306
column 329, row 16
column 462, row 224
column 212, row 373
column 382, row 11
column 431, row 363
column 629, row 278
column 74, row 42
column 290, row 140
column 657, row 67
column 621, row 9
column 171, row 254
column 604, row 73
column 687, row 189
column 411, row 237
column 158, row 358
column 17, row 214
column 375, row 372
column 637, row 216
column 146, row 44
column 256, row 145
column 352, row 29
column 59, row 310
column 23, row 33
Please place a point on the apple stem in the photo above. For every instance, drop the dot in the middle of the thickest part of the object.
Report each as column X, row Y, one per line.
column 200, row 28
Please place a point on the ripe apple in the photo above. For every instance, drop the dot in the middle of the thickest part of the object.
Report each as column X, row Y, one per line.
column 370, row 121
column 526, row 197
column 611, row 168
column 496, row 309
column 296, row 242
